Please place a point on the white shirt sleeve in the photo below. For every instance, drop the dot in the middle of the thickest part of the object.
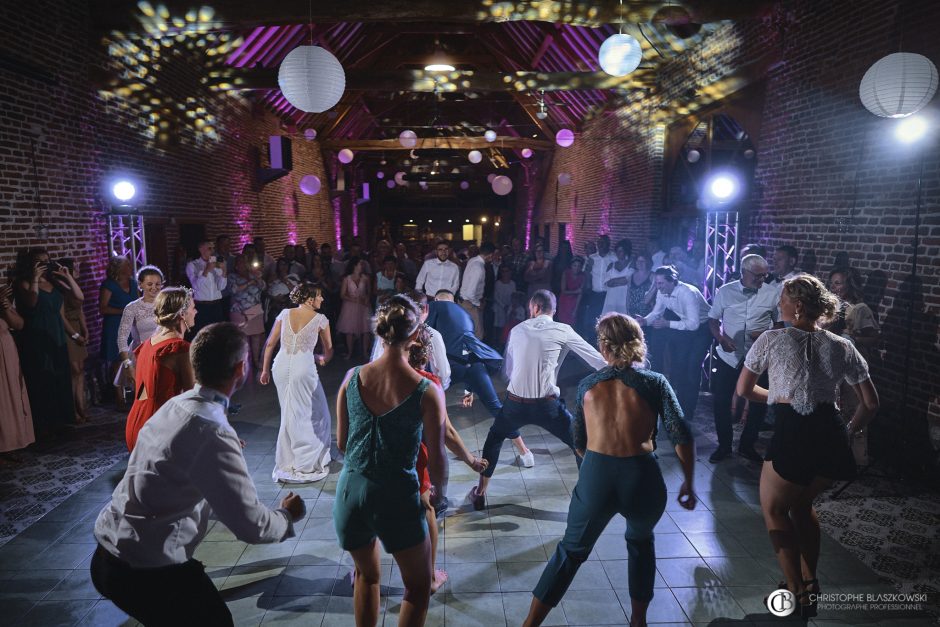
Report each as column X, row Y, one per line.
column 689, row 315
column 221, row 280
column 438, row 359
column 584, row 350
column 422, row 278
column 718, row 306
column 191, row 273
column 470, row 287
column 658, row 309
column 454, row 277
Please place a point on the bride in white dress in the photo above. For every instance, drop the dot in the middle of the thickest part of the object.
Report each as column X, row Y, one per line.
column 303, row 442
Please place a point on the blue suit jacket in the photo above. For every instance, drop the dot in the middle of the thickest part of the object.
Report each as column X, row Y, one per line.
column 456, row 328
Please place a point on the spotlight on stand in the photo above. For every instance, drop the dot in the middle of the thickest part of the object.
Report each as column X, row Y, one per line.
column 123, row 191
column 911, row 129
column 721, row 188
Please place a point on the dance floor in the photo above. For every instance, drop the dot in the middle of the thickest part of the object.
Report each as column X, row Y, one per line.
column 715, row 564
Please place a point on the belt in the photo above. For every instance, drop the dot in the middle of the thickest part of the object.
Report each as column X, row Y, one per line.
column 529, row 401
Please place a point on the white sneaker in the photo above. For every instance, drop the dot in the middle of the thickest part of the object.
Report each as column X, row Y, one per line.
column 527, row 460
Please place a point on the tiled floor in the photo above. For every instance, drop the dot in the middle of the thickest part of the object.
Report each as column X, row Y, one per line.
column 713, row 563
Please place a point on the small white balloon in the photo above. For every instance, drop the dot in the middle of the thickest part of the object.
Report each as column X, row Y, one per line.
column 390, row 183
column 502, row 185
column 693, row 156
column 490, row 136
column 464, row 185
column 526, row 153
column 490, row 177
column 564, row 178
column 408, row 139
column 345, row 155
column 475, row 156
column 400, row 178
column 310, row 134
column 310, row 184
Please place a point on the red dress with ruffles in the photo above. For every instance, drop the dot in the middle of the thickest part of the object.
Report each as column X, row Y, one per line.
column 160, row 382
column 421, row 464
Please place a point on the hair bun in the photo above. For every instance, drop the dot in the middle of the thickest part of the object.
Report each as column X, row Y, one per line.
column 396, row 319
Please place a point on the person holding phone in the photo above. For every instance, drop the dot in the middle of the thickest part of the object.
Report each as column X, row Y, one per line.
column 208, row 277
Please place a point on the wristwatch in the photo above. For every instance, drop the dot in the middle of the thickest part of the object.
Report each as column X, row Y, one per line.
column 76, row 335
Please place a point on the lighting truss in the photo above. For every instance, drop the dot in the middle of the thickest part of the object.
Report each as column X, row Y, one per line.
column 126, row 238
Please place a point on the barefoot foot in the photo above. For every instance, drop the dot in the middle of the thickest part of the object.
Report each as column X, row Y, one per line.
column 440, row 578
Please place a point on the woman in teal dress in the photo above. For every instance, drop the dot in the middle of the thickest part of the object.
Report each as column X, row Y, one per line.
column 117, row 292
column 383, row 409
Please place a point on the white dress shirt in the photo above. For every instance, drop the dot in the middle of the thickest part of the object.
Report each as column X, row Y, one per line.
column 208, row 286
column 187, row 464
column 474, row 279
column 536, row 350
column 437, row 359
column 657, row 258
column 686, row 302
column 741, row 314
column 436, row 275
column 599, row 267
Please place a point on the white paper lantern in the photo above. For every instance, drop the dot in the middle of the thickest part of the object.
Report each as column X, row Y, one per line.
column 490, row 177
column 400, row 178
column 310, row 134
column 490, row 136
column 380, row 175
column 464, row 185
column 898, row 85
column 564, row 137
column 408, row 139
column 423, row 184
column 311, row 79
column 310, row 184
column 526, row 153
column 390, row 184
column 619, row 55
column 345, row 155
column 475, row 156
column 693, row 156
column 564, row 178
column 748, row 154
column 502, row 185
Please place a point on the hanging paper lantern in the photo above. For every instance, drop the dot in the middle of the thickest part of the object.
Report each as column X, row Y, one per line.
column 408, row 139
column 464, row 185
column 490, row 177
column 380, row 175
column 310, row 184
column 526, row 153
column 564, row 137
column 899, row 85
column 475, row 156
column 490, row 136
column 502, row 185
column 400, row 178
column 390, row 184
column 564, row 178
column 748, row 154
column 693, row 156
column 619, row 55
column 345, row 155
column 310, row 134
column 311, row 79
column 423, row 184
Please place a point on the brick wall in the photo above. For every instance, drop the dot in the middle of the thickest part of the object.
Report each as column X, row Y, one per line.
column 830, row 178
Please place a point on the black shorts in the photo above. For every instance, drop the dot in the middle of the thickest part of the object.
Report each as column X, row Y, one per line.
column 806, row 447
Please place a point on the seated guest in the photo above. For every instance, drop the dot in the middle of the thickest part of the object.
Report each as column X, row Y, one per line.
column 187, row 466
column 137, row 322
column 679, row 335
column 378, row 490
column 16, row 419
column 615, row 427
column 163, row 369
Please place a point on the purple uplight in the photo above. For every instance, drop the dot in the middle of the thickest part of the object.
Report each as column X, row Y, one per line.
column 338, row 220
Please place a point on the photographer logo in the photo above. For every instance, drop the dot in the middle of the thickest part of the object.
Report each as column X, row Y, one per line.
column 781, row 603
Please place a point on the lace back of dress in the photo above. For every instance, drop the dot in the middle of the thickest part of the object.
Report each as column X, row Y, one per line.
column 304, row 340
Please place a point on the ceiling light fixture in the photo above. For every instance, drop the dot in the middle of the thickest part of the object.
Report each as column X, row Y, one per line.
column 438, row 62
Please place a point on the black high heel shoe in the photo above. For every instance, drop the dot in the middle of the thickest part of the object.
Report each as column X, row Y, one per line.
column 811, row 594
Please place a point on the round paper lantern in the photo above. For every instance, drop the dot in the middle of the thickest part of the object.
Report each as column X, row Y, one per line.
column 898, row 85
column 475, row 156
column 490, row 136
column 464, row 185
column 310, row 134
column 380, row 175
column 490, row 177
column 564, row 137
column 390, row 184
column 423, row 184
column 400, row 178
column 619, row 55
column 526, row 153
column 311, row 79
column 693, row 156
column 748, row 154
column 310, row 184
column 345, row 155
column 564, row 178
column 408, row 139
column 502, row 185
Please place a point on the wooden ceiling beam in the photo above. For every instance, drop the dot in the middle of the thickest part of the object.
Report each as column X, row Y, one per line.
column 439, row 143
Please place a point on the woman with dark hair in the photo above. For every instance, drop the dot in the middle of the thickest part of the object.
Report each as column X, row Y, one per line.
column 247, row 311
column 561, row 264
column 853, row 319
column 138, row 323
column 384, row 410
column 42, row 341
column 354, row 316
column 538, row 272
column 571, row 289
column 303, row 442
column 78, row 347
column 279, row 289
column 116, row 292
column 617, row 278
column 810, row 446
column 163, row 369
column 642, row 295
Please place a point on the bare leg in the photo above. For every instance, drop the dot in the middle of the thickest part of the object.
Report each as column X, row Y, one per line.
column 415, row 566
column 777, row 496
column 366, row 588
column 118, row 390
column 519, row 443
column 482, row 485
column 440, row 576
column 256, row 341
column 350, row 343
column 538, row 611
column 807, row 527
column 78, row 391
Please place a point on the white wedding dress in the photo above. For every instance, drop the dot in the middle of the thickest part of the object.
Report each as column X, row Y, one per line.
column 303, row 442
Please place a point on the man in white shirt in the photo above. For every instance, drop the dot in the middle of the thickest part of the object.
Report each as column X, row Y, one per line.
column 593, row 301
column 439, row 274
column 785, row 258
column 536, row 350
column 741, row 311
column 187, row 465
column 207, row 276
column 678, row 327
column 471, row 289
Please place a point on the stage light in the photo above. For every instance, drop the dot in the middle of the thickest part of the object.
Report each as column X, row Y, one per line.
column 722, row 187
column 123, row 190
column 911, row 129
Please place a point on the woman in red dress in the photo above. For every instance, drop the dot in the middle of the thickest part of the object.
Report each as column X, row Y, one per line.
column 163, row 368
column 572, row 285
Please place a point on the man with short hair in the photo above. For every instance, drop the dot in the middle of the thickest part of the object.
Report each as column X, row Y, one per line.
column 439, row 273
column 741, row 311
column 679, row 322
column 295, row 266
column 474, row 282
column 536, row 350
column 595, row 297
column 187, row 466
column 208, row 278
column 223, row 248
column 785, row 258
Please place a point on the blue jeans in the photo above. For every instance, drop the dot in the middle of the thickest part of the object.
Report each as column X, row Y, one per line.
column 550, row 414
column 476, row 379
column 630, row 486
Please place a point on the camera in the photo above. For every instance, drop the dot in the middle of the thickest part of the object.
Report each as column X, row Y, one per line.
column 51, row 267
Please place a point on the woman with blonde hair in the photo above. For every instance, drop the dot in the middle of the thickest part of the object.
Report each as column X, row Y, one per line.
column 303, row 442
column 163, row 368
column 810, row 446
column 615, row 432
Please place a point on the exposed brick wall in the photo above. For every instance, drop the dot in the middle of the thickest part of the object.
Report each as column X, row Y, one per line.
column 830, row 176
